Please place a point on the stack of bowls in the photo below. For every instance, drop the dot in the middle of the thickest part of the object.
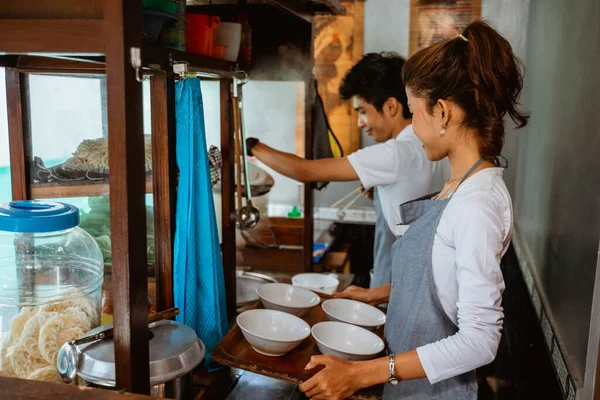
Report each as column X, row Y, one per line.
column 348, row 333
column 278, row 329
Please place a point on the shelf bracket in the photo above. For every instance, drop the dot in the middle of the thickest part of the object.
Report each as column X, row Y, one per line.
column 136, row 62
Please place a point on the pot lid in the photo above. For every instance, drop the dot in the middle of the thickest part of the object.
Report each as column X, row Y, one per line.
column 175, row 350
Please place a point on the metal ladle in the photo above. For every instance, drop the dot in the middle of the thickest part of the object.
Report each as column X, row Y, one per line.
column 67, row 360
column 248, row 215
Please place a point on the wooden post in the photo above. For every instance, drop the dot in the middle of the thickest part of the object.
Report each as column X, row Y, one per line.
column 17, row 129
column 127, row 189
column 227, row 200
column 164, row 180
column 308, row 153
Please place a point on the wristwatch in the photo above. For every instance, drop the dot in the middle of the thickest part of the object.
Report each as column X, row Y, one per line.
column 393, row 380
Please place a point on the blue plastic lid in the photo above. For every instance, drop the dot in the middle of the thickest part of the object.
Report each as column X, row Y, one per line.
column 37, row 216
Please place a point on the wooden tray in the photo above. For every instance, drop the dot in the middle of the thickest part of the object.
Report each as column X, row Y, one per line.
column 234, row 351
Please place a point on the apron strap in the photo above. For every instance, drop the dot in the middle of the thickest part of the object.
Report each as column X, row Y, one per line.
column 496, row 160
column 469, row 172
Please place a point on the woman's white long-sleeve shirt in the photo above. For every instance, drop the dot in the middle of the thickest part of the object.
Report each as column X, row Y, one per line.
column 472, row 236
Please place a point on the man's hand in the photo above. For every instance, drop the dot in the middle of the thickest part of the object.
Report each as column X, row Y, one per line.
column 368, row 193
column 373, row 296
column 356, row 293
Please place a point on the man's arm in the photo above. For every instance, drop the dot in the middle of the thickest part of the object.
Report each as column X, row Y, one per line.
column 328, row 169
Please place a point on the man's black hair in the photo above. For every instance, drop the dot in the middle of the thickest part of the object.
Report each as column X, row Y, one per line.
column 376, row 78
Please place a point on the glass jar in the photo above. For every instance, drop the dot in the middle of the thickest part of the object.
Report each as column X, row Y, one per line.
column 51, row 275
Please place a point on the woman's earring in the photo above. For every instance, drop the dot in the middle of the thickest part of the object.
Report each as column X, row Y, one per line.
column 443, row 131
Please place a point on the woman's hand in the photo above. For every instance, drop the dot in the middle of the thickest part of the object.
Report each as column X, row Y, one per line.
column 338, row 380
column 373, row 296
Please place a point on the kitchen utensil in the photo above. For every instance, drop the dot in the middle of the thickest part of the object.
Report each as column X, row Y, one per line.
column 272, row 333
column 342, row 212
column 238, row 149
column 68, row 355
column 354, row 312
column 249, row 215
column 287, row 298
column 349, row 342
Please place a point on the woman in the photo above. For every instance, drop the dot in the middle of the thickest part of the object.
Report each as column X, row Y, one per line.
column 444, row 315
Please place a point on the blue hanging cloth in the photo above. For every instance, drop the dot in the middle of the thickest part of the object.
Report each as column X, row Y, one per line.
column 199, row 286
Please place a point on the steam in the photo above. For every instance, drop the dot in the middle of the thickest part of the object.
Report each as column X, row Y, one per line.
column 290, row 64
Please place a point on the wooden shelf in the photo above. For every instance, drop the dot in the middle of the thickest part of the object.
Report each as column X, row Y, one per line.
column 298, row 8
column 153, row 54
column 56, row 190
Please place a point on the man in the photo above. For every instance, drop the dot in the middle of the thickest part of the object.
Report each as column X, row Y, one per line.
column 397, row 167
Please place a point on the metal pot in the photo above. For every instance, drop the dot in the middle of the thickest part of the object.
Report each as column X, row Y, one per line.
column 247, row 283
column 175, row 351
column 178, row 388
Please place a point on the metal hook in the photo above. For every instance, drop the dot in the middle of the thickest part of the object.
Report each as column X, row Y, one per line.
column 239, row 81
column 136, row 62
column 180, row 68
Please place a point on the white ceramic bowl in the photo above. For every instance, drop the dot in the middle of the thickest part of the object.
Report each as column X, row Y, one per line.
column 346, row 341
column 272, row 333
column 318, row 282
column 354, row 312
column 287, row 298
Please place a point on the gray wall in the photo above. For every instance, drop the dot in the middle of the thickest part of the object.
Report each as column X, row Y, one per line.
column 557, row 196
column 510, row 18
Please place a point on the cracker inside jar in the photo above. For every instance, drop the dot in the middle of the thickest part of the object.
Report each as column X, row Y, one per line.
column 29, row 349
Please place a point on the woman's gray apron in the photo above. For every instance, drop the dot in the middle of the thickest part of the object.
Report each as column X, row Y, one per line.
column 415, row 315
column 382, row 247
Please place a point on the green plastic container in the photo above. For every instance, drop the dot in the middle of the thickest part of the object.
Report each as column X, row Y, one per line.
column 167, row 6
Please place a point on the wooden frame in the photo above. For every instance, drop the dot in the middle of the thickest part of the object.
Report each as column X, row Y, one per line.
column 309, row 90
column 128, row 210
column 16, row 129
column 162, row 98
column 467, row 6
column 128, row 186
column 228, row 213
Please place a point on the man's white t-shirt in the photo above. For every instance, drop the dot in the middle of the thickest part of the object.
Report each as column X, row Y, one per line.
column 401, row 171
